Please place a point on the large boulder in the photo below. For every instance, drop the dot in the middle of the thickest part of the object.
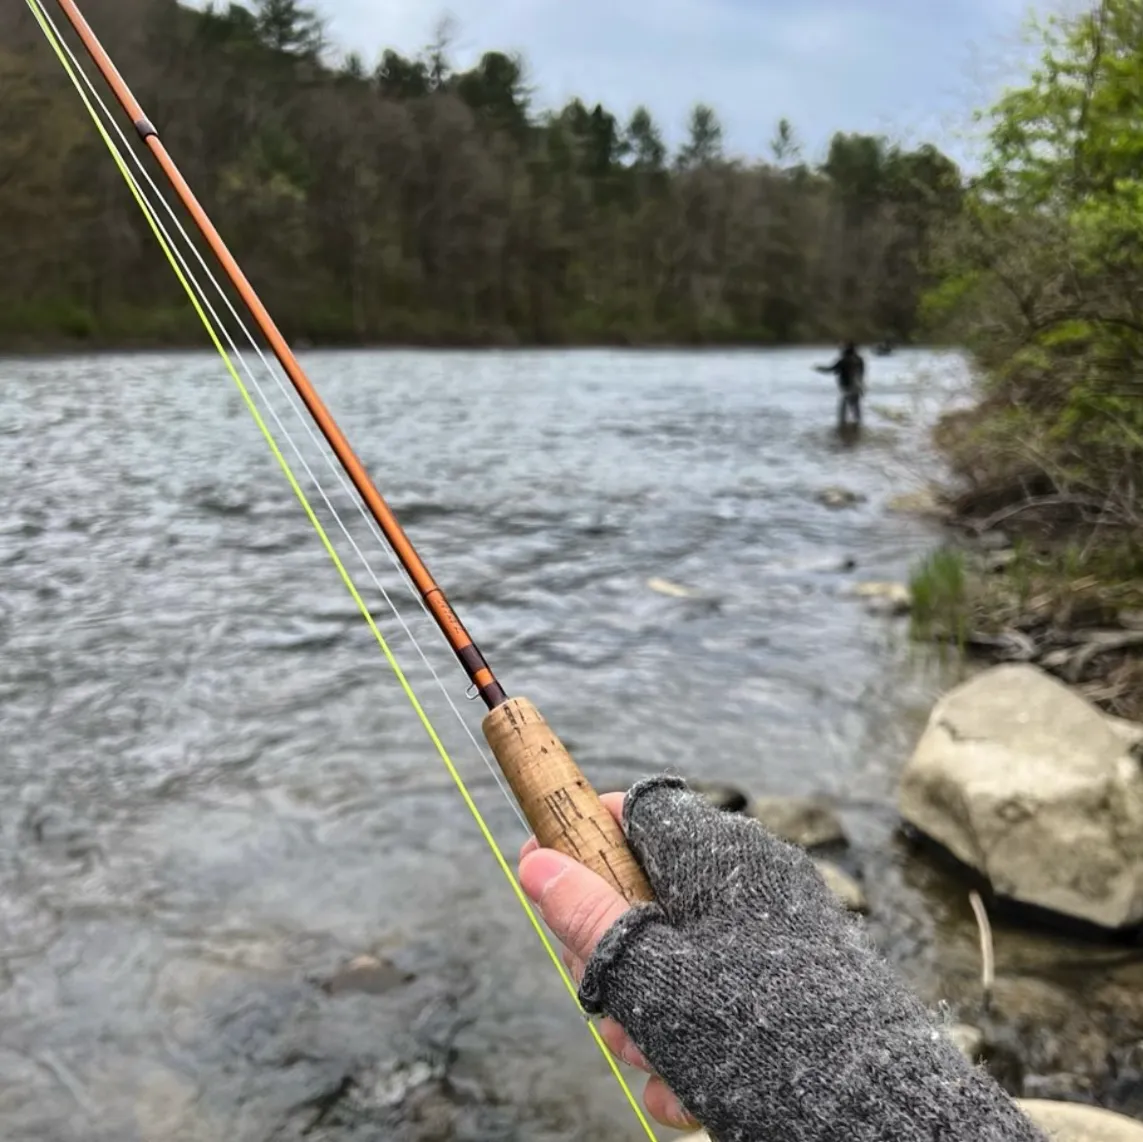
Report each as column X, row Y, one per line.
column 1035, row 788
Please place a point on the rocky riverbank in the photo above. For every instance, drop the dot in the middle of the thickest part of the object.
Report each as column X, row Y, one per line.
column 1030, row 797
column 1034, row 797
column 1025, row 588
column 1026, row 790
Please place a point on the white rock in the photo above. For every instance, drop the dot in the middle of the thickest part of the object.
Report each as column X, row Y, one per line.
column 168, row 1109
column 843, row 886
column 885, row 598
column 672, row 590
column 1073, row 1122
column 1035, row 788
column 368, row 975
column 1130, row 732
column 921, row 502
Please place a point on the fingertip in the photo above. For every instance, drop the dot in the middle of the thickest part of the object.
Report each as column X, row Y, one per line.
column 539, row 868
column 529, row 846
column 664, row 1106
column 620, row 1045
column 613, row 803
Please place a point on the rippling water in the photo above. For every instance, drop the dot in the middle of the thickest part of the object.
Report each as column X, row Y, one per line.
column 213, row 791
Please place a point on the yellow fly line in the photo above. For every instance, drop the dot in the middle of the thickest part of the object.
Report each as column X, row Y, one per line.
column 53, row 39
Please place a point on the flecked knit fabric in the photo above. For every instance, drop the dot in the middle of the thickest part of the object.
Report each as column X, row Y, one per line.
column 763, row 1005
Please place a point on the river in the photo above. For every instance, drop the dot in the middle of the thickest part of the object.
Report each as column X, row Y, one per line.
column 214, row 792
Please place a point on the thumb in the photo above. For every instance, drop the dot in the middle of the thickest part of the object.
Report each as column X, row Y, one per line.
column 578, row 905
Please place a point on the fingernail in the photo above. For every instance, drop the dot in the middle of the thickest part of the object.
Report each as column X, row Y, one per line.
column 677, row 1114
column 539, row 870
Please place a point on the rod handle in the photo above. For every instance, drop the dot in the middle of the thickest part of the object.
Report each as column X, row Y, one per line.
column 565, row 812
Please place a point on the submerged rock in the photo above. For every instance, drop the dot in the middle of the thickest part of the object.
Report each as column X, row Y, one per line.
column 834, row 497
column 811, row 565
column 805, row 821
column 843, row 886
column 896, row 415
column 1033, row 787
column 167, row 1108
column 1049, row 1035
column 726, row 797
column 368, row 975
column 282, row 1060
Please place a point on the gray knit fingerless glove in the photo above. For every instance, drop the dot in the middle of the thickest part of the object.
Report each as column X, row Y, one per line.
column 761, row 1003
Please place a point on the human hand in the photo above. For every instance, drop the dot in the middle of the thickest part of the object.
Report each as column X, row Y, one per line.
column 579, row 906
column 756, row 997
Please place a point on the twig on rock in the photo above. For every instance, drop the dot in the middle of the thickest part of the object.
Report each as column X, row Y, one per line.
column 987, row 961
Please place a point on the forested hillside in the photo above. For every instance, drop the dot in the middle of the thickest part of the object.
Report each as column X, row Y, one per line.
column 1043, row 279
column 379, row 198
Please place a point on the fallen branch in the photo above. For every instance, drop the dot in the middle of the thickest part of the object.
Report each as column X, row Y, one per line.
column 1059, row 501
column 1097, row 643
column 1008, row 646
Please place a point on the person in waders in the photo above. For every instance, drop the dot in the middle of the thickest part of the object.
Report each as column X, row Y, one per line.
column 849, row 369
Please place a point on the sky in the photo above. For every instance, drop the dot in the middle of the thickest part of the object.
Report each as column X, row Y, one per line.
column 912, row 69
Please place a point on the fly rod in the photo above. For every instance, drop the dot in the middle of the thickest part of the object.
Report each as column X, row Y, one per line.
column 561, row 807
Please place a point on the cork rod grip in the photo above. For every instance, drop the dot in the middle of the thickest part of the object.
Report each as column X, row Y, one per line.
column 564, row 811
